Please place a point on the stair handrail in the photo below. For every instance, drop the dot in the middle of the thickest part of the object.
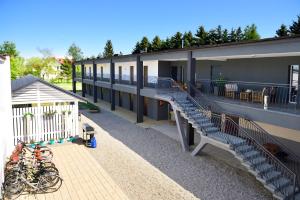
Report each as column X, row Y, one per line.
column 278, row 164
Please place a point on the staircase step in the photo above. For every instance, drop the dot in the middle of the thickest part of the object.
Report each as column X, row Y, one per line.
column 244, row 148
column 219, row 136
column 281, row 183
column 257, row 161
column 264, row 168
column 250, row 154
column 271, row 175
column 205, row 125
column 211, row 130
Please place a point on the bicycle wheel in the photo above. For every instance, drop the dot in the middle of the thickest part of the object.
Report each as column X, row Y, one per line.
column 48, row 177
column 13, row 186
column 55, row 184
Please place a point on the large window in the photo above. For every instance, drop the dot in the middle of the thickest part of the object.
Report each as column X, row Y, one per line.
column 131, row 75
column 120, row 73
column 294, row 83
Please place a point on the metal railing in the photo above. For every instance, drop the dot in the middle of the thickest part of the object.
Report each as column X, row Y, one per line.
column 279, row 95
column 232, row 131
column 78, row 74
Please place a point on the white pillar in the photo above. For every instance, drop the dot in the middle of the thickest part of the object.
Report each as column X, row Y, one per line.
column 6, row 120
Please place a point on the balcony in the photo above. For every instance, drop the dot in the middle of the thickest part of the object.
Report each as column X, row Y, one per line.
column 103, row 77
column 88, row 76
column 125, row 79
column 281, row 97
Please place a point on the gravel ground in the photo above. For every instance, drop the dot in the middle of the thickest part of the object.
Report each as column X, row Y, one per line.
column 149, row 165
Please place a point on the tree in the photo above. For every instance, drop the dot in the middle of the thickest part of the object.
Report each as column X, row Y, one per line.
column 282, row 31
column 66, row 69
column 75, row 52
column 295, row 27
column 188, row 39
column 166, row 44
column 225, row 36
column 144, row 44
column 16, row 67
column 9, row 48
column 232, row 35
column 137, row 48
column 156, row 44
column 219, row 35
column 201, row 36
column 250, row 33
column 108, row 50
column 212, row 36
column 239, row 34
column 176, row 41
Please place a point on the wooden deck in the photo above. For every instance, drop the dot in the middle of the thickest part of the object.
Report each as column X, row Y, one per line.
column 83, row 177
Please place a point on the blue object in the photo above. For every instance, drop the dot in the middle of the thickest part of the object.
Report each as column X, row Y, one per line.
column 93, row 142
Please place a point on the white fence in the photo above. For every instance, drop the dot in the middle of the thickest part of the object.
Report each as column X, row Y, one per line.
column 45, row 123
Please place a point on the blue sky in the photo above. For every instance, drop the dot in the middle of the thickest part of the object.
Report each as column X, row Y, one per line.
column 56, row 24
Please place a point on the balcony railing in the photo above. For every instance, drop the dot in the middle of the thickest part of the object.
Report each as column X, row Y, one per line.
column 78, row 74
column 125, row 79
column 88, row 76
column 275, row 95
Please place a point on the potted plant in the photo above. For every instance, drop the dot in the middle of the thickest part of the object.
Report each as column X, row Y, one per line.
column 71, row 139
column 61, row 140
column 42, row 143
column 32, row 143
column 51, row 141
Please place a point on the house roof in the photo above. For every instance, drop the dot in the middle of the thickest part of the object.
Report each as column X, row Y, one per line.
column 2, row 57
column 22, row 85
column 265, row 40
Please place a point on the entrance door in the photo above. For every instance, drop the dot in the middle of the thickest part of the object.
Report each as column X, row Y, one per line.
column 294, row 83
column 174, row 73
column 145, row 76
column 215, row 72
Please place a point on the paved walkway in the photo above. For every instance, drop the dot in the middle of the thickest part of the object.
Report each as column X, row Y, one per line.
column 83, row 177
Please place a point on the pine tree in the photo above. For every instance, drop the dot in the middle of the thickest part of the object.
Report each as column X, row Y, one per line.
column 144, row 44
column 188, row 39
column 250, row 33
column 137, row 48
column 219, row 36
column 176, row 41
column 239, row 34
column 282, row 31
column 156, row 44
column 225, row 36
column 212, row 36
column 108, row 50
column 166, row 44
column 295, row 27
column 201, row 36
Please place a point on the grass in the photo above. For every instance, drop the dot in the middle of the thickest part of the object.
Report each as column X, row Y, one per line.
column 68, row 85
column 88, row 105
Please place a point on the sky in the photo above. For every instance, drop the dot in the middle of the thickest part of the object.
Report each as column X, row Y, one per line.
column 56, row 24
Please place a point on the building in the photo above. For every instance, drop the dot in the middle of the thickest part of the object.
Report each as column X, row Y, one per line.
column 42, row 111
column 246, row 89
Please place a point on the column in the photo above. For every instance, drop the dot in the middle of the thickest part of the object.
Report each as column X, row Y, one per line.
column 112, row 81
column 139, row 86
column 82, row 78
column 73, row 78
column 191, row 71
column 94, row 81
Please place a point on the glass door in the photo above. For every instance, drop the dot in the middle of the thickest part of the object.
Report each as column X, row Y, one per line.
column 294, row 83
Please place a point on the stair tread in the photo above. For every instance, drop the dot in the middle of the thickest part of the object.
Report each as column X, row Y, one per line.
column 250, row 154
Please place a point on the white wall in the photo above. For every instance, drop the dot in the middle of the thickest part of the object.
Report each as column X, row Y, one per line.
column 125, row 70
column 6, row 133
column 152, row 70
column 106, row 70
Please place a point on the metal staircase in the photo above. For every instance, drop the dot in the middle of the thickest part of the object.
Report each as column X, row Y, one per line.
column 223, row 132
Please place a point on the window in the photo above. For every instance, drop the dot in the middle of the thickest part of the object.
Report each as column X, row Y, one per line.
column 294, row 83
column 101, row 72
column 90, row 72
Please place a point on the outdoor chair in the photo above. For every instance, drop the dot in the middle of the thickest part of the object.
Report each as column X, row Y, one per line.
column 231, row 90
